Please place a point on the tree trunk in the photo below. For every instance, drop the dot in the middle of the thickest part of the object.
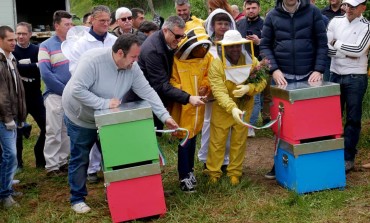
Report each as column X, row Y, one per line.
column 151, row 6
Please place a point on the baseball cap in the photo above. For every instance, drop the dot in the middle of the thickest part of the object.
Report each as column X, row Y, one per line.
column 354, row 3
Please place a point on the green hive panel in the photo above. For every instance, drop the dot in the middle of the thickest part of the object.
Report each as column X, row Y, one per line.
column 127, row 135
column 128, row 143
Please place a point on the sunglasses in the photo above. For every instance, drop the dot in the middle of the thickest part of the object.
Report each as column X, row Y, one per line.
column 178, row 36
column 129, row 18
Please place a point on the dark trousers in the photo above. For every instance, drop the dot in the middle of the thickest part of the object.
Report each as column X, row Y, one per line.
column 185, row 163
column 36, row 108
column 352, row 91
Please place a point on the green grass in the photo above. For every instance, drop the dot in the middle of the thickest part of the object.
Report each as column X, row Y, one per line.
column 80, row 8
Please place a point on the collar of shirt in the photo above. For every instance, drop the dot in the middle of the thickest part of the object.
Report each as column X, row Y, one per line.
column 121, row 31
column 296, row 8
column 11, row 56
column 24, row 47
column 98, row 37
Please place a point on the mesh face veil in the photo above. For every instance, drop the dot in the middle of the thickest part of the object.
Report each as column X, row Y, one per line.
column 196, row 44
column 236, row 54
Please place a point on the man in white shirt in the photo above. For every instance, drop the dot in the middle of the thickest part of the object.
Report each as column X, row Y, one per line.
column 349, row 42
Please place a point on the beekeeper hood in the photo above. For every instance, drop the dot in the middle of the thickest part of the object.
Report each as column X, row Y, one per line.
column 236, row 54
column 194, row 45
column 208, row 23
column 73, row 35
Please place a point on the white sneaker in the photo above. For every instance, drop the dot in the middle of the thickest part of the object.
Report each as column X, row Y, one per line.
column 15, row 182
column 251, row 132
column 81, row 208
column 9, row 202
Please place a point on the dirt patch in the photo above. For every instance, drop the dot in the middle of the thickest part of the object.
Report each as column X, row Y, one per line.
column 260, row 153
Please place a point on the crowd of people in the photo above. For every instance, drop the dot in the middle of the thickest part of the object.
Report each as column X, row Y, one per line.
column 193, row 72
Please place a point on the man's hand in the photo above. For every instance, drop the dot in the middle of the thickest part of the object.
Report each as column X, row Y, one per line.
column 25, row 61
column 114, row 103
column 242, row 90
column 171, row 124
column 315, row 76
column 278, row 77
column 196, row 100
column 254, row 38
column 237, row 114
column 11, row 125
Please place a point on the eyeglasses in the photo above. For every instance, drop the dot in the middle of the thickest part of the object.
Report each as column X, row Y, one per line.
column 22, row 34
column 129, row 18
column 103, row 21
column 178, row 36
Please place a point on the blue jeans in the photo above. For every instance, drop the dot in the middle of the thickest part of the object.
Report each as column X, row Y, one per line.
column 8, row 160
column 82, row 140
column 352, row 91
column 185, row 163
column 256, row 109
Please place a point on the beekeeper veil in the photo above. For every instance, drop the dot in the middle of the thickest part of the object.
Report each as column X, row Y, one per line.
column 196, row 44
column 236, row 54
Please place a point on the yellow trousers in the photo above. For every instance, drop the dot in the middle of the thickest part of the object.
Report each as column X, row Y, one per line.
column 221, row 122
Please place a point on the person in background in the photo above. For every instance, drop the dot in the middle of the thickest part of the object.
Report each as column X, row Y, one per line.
column 333, row 9
column 156, row 62
column 95, row 37
column 124, row 22
column 113, row 22
column 54, row 69
column 219, row 4
column 86, row 19
column 12, row 114
column 90, row 89
column 138, row 17
column 26, row 54
column 237, row 15
column 217, row 23
column 148, row 28
column 125, row 25
column 349, row 43
column 296, row 52
column 250, row 27
column 183, row 9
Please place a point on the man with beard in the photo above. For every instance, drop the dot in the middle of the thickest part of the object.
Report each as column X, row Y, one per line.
column 183, row 10
column 250, row 27
column 90, row 89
